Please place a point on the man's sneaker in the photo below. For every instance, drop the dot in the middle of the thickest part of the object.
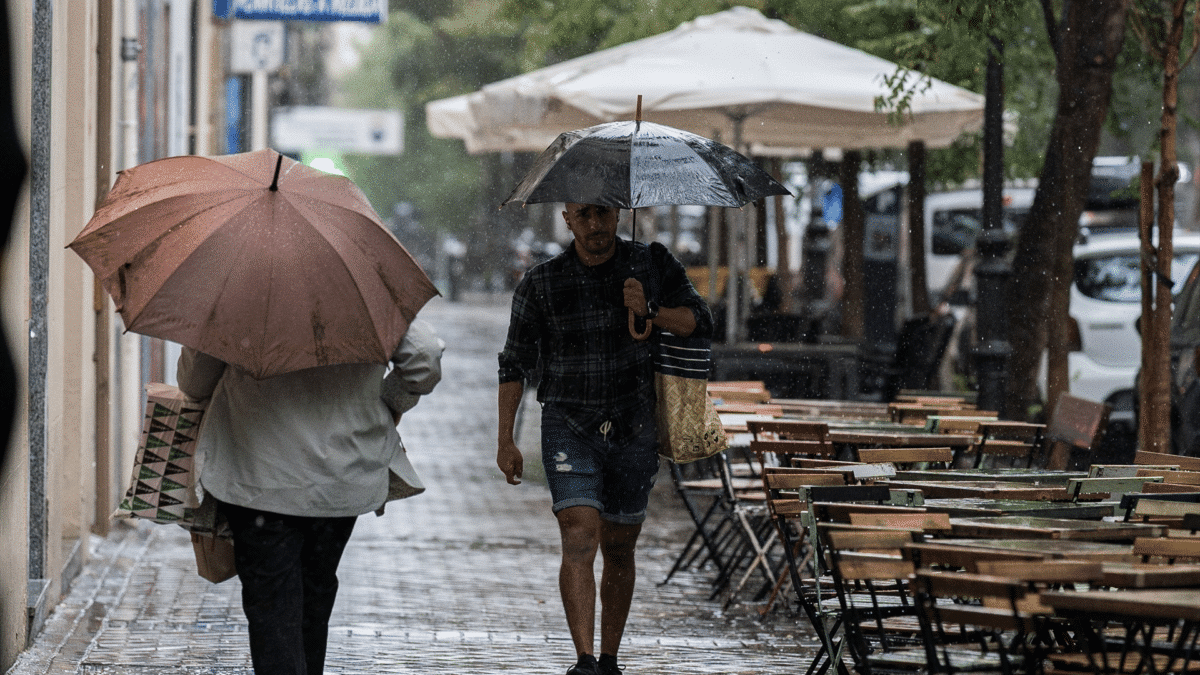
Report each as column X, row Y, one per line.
column 607, row 665
column 586, row 665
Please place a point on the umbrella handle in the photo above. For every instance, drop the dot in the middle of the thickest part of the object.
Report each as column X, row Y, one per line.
column 633, row 330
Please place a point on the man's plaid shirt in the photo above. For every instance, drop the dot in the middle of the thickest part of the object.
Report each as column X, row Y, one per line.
column 569, row 328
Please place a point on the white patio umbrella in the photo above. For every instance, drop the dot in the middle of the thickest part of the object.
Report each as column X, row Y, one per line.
column 735, row 75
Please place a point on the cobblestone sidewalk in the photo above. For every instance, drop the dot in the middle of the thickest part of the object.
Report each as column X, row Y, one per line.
column 461, row 579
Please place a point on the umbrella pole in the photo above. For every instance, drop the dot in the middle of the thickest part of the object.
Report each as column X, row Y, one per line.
column 637, row 118
column 633, row 228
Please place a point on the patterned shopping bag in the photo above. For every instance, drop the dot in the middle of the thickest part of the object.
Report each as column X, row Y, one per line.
column 688, row 425
column 162, row 488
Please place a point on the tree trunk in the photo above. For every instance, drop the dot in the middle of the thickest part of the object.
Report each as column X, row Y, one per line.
column 1146, row 241
column 1090, row 39
column 1156, row 369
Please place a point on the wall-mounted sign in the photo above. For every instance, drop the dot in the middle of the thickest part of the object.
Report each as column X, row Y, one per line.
column 255, row 45
column 369, row 11
column 307, row 128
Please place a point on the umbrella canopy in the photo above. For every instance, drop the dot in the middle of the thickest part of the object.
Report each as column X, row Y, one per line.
column 735, row 74
column 256, row 259
column 632, row 165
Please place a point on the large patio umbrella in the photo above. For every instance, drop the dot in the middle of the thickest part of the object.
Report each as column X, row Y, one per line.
column 735, row 75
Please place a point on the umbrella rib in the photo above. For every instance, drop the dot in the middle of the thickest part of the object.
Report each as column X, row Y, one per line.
column 183, row 223
column 353, row 277
column 132, row 320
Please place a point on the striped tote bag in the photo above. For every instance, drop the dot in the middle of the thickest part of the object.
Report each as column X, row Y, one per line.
column 688, row 425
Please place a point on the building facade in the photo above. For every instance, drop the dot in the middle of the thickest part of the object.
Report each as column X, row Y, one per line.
column 98, row 86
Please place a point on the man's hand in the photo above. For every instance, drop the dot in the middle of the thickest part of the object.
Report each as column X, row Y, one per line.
column 635, row 296
column 510, row 461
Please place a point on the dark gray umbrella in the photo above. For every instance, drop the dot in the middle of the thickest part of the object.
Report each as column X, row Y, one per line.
column 632, row 165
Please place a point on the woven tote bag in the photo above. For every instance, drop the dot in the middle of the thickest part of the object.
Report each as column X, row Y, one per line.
column 688, row 425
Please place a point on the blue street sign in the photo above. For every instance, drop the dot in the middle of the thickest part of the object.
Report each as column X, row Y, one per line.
column 831, row 205
column 369, row 11
column 233, row 115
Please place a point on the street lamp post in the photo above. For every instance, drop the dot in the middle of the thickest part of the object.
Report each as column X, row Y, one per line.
column 992, row 348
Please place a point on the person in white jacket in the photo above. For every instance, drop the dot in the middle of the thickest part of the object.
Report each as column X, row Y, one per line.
column 293, row 460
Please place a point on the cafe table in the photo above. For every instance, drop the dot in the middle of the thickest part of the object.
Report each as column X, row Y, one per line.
column 1159, row 626
column 898, row 438
column 1031, row 527
column 1149, row 575
column 968, row 507
column 1037, row 477
column 982, row 489
column 1172, row 603
column 1046, row 549
column 864, row 433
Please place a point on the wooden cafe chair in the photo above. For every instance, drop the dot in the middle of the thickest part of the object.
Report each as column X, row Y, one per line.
column 1147, row 633
column 1171, row 476
column 1167, row 550
column 773, row 443
column 703, row 489
column 907, row 458
column 781, row 439
column 976, row 623
column 877, row 614
column 1158, row 507
column 1164, row 459
column 808, row 565
column 1051, row 638
column 925, row 522
column 1075, row 427
column 786, row 491
column 1014, row 441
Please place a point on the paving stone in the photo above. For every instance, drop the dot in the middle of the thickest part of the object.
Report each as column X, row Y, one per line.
column 460, row 579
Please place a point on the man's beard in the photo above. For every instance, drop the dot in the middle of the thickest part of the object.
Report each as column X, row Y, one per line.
column 598, row 244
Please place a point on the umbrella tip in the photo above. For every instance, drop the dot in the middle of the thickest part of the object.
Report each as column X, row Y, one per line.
column 275, row 180
column 638, row 115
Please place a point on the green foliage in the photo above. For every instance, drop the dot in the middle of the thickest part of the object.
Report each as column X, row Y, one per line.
column 1151, row 21
column 429, row 50
column 559, row 31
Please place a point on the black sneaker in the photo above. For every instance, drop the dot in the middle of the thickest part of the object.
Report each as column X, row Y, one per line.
column 607, row 665
column 586, row 665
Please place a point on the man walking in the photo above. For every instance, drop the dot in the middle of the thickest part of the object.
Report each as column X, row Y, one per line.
column 569, row 325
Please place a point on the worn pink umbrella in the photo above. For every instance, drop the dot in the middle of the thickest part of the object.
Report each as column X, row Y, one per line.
column 256, row 259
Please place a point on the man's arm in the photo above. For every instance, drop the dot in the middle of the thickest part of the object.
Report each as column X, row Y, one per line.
column 418, row 368
column 198, row 373
column 679, row 321
column 508, row 455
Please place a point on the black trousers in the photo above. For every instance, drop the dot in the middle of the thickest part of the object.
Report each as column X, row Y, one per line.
column 288, row 569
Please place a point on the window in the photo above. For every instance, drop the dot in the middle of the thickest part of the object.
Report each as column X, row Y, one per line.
column 955, row 230
column 1118, row 278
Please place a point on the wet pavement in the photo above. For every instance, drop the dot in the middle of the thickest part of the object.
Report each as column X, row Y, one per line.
column 460, row 579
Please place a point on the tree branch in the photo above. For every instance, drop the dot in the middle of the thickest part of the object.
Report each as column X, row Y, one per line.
column 1195, row 38
column 1052, row 26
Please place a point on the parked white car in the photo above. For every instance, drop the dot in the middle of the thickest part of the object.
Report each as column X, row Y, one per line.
column 1106, row 301
column 954, row 219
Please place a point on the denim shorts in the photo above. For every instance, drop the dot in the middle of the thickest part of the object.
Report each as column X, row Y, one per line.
column 613, row 475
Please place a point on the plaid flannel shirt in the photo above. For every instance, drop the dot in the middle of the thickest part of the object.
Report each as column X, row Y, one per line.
column 569, row 330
